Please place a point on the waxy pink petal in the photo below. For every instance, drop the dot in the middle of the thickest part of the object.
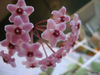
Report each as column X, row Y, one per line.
column 46, row 34
column 8, row 36
column 21, row 3
column 62, row 10
column 4, row 43
column 56, row 14
column 15, row 39
column 67, row 18
column 62, row 36
column 76, row 17
column 51, row 24
column 18, row 21
column 9, row 28
column 25, row 37
column 61, row 27
column 11, row 18
column 25, row 18
column 35, row 46
column 28, row 26
column 29, row 10
column 11, row 7
column 38, row 54
column 25, row 46
column 53, row 41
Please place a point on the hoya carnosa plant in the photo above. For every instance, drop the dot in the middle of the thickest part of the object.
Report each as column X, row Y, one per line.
column 19, row 37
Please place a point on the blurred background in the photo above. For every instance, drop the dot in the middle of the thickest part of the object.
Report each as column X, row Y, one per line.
column 85, row 57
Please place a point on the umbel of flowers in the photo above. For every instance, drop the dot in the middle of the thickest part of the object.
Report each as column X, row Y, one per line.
column 19, row 36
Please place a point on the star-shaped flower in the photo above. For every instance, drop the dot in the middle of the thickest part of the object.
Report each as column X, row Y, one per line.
column 60, row 15
column 32, row 64
column 47, row 63
column 18, row 31
column 7, row 59
column 54, row 32
column 20, row 9
column 75, row 23
column 59, row 54
column 11, row 47
column 30, row 51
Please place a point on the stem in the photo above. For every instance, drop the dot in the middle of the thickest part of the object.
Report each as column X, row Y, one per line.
column 68, row 25
column 42, row 25
column 41, row 21
column 45, row 43
column 41, row 43
column 50, row 48
column 40, row 29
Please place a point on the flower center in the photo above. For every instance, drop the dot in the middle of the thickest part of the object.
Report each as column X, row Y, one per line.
column 11, row 46
column 18, row 31
column 73, row 44
column 59, row 56
column 30, row 54
column 32, row 66
column 19, row 11
column 56, row 33
column 5, row 60
column 62, row 19
column 78, row 26
column 49, row 63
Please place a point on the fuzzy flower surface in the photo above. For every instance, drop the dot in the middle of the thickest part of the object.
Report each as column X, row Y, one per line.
column 32, row 64
column 30, row 51
column 7, row 59
column 20, row 9
column 54, row 32
column 75, row 23
column 59, row 54
column 18, row 31
column 11, row 47
column 60, row 15
column 48, row 62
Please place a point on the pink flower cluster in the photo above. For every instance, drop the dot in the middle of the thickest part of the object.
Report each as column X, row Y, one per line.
column 19, row 36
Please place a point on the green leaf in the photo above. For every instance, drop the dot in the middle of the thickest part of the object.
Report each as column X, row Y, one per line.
column 95, row 66
column 81, row 60
column 68, row 73
column 43, row 73
column 81, row 71
column 72, row 67
column 49, row 71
